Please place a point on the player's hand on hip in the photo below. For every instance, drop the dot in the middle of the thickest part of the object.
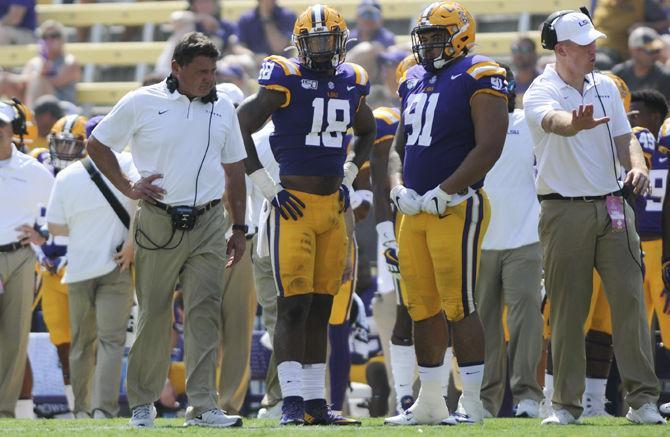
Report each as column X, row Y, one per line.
column 288, row 204
column 235, row 248
column 124, row 257
column 435, row 201
column 666, row 304
column 145, row 189
column 406, row 200
column 638, row 180
column 582, row 118
column 665, row 273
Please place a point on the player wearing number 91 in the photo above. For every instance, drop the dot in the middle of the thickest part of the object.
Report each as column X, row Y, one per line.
column 453, row 127
column 313, row 100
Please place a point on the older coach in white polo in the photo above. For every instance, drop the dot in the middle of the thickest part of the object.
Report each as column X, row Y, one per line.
column 24, row 188
column 583, row 143
column 182, row 137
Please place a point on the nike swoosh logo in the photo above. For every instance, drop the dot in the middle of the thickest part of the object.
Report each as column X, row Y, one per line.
column 437, row 210
column 662, row 159
column 471, row 373
column 162, row 112
column 454, row 76
column 349, row 88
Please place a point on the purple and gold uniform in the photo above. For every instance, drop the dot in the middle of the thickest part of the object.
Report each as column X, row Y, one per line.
column 439, row 256
column 308, row 255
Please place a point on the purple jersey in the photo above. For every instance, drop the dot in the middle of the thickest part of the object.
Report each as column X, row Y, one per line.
column 649, row 207
column 439, row 132
column 310, row 127
column 387, row 123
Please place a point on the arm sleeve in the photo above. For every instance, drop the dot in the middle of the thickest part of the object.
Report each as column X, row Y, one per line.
column 55, row 207
column 233, row 148
column 538, row 101
column 118, row 127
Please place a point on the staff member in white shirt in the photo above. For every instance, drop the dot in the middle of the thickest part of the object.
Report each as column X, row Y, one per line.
column 510, row 270
column 182, row 137
column 24, row 188
column 99, row 283
column 582, row 139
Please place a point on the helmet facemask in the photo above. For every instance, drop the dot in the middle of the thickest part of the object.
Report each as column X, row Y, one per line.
column 65, row 149
column 322, row 50
column 434, row 37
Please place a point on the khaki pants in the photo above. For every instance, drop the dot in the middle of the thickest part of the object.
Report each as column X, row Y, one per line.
column 576, row 236
column 99, row 311
column 17, row 273
column 510, row 277
column 198, row 262
column 238, row 311
column 266, row 293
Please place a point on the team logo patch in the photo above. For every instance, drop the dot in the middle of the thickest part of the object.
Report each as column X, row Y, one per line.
column 433, row 79
column 309, row 84
column 331, row 85
column 411, row 83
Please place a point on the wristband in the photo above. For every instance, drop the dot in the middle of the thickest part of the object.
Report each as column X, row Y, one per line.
column 243, row 228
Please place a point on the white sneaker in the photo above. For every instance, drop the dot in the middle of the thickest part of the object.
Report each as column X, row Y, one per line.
column 560, row 417
column 143, row 416
column 420, row 414
column 458, row 419
column 273, row 412
column 647, row 414
column 595, row 407
column 213, row 418
column 546, row 409
column 473, row 409
column 664, row 409
column 527, row 408
column 82, row 415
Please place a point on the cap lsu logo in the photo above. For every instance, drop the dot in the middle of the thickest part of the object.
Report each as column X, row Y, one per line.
column 309, row 84
column 583, row 23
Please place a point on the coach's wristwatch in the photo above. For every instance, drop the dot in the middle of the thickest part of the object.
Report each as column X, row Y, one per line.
column 243, row 228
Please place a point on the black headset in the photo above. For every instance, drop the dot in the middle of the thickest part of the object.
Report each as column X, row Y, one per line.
column 173, row 83
column 548, row 37
column 20, row 123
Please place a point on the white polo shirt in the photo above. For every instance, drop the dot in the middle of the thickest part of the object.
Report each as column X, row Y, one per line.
column 24, row 188
column 580, row 165
column 94, row 228
column 510, row 186
column 168, row 134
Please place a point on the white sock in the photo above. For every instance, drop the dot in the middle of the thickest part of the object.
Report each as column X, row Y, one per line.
column 431, row 384
column 471, row 377
column 24, row 409
column 403, row 363
column 548, row 390
column 290, row 378
column 595, row 388
column 446, row 367
column 314, row 381
column 69, row 395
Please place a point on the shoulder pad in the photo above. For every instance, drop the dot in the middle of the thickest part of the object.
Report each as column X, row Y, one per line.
column 388, row 115
column 361, row 76
column 289, row 67
column 483, row 67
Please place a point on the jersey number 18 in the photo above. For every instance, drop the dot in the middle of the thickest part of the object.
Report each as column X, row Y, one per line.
column 337, row 122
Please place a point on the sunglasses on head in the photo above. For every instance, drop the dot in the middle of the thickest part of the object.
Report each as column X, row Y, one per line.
column 51, row 36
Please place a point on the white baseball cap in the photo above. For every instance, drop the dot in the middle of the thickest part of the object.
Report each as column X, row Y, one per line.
column 7, row 112
column 576, row 27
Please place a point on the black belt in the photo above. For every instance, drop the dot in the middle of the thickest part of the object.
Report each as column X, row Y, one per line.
column 200, row 209
column 556, row 196
column 11, row 247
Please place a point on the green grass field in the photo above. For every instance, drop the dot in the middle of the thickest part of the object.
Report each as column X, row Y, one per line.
column 371, row 427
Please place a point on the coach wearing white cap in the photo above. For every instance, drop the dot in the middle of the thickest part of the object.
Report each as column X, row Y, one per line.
column 583, row 143
column 24, row 188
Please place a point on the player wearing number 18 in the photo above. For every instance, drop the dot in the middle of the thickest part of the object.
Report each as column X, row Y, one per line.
column 313, row 100
column 453, row 127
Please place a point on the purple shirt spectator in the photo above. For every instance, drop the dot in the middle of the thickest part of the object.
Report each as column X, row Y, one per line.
column 29, row 20
column 227, row 30
column 252, row 31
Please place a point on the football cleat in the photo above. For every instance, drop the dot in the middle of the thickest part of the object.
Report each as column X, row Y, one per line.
column 458, row 419
column 317, row 412
column 293, row 411
column 664, row 409
column 421, row 413
column 647, row 414
column 473, row 409
column 546, row 408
